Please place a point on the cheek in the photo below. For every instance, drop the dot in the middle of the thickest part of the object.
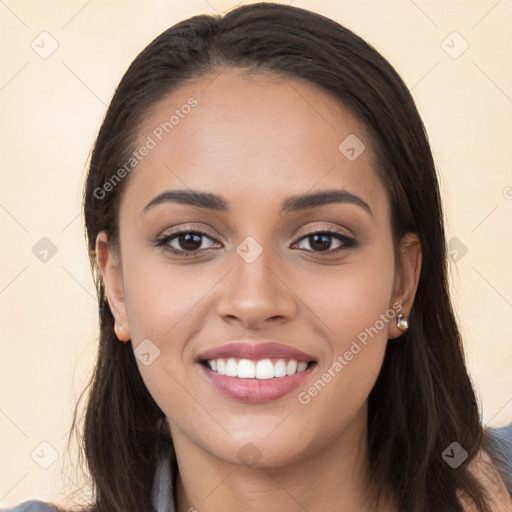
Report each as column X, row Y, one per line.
column 160, row 296
column 355, row 312
column 353, row 298
column 163, row 302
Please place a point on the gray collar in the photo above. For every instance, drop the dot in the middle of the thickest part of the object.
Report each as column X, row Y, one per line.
column 163, row 492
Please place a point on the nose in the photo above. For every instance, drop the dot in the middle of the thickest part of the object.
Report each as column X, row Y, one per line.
column 256, row 294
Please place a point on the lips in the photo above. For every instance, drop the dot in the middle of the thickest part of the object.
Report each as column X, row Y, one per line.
column 277, row 370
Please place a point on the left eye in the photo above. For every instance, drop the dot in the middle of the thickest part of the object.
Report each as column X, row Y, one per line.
column 321, row 241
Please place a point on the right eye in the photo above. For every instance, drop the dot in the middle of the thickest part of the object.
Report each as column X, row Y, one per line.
column 183, row 242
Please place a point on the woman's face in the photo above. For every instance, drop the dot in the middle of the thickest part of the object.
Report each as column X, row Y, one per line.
column 255, row 273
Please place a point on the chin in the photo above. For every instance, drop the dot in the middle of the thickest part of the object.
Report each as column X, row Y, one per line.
column 257, row 451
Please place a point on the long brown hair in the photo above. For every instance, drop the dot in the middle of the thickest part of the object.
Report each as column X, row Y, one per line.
column 423, row 399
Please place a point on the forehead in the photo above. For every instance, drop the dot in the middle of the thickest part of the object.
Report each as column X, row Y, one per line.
column 252, row 137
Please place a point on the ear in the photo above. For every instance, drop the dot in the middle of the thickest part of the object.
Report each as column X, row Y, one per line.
column 406, row 280
column 109, row 264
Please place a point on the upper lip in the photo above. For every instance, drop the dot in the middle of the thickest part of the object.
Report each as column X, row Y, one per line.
column 246, row 349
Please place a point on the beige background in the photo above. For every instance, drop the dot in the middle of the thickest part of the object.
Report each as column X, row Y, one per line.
column 52, row 108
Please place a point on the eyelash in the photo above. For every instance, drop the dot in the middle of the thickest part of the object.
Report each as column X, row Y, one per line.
column 163, row 241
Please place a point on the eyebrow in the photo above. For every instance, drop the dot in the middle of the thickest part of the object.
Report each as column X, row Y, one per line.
column 291, row 204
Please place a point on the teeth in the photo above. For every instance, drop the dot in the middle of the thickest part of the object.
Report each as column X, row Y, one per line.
column 231, row 368
column 280, row 368
column 291, row 367
column 301, row 367
column 263, row 369
column 246, row 369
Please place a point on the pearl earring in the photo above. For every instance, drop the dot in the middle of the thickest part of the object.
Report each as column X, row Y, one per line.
column 401, row 322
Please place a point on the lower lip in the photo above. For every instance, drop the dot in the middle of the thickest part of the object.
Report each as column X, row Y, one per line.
column 256, row 390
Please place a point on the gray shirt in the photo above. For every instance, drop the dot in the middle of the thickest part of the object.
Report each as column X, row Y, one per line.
column 162, row 493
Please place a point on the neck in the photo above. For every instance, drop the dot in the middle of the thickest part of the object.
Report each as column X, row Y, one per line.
column 332, row 478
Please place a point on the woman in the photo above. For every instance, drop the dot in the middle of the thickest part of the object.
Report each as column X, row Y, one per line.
column 265, row 229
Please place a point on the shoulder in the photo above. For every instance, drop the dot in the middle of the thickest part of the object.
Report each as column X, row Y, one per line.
column 33, row 506
column 498, row 443
column 487, row 473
